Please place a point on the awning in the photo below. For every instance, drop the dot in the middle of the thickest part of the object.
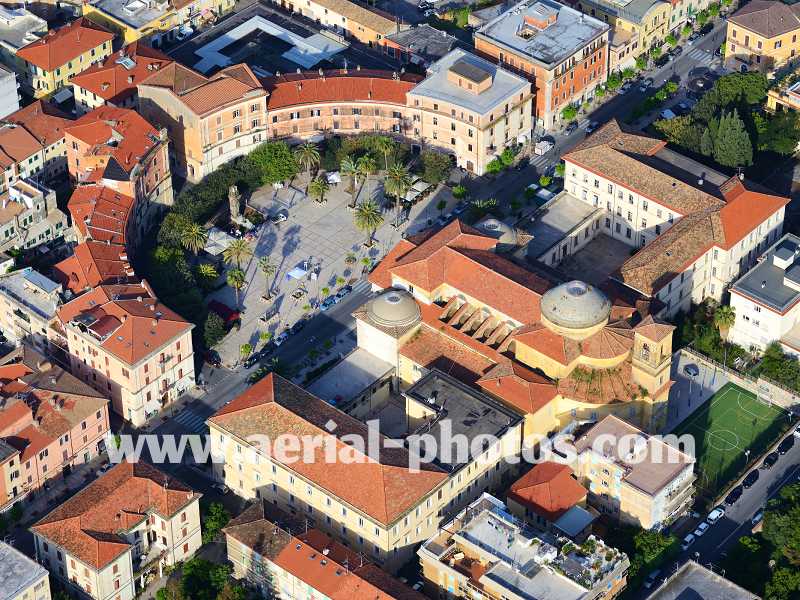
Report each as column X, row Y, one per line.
column 297, row 273
column 333, row 178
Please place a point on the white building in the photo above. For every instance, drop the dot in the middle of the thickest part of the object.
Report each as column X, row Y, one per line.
column 9, row 96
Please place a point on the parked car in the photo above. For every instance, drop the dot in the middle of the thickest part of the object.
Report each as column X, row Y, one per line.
column 625, row 87
column 652, row 578
column 757, row 518
column 105, row 468
column 701, row 529
column 220, row 487
column 706, row 29
column 229, row 315
column 786, row 445
column 677, row 50
column 328, row 302
column 687, row 541
column 251, row 360
column 797, row 431
column 715, row 515
column 460, row 208
column 571, row 128
column 281, row 337
column 428, row 13
column 444, row 219
column 734, row 495
column 343, row 291
column 279, row 217
column 692, row 370
column 751, row 479
column 693, row 38
column 591, row 127
column 212, row 358
column 298, row 327
column 770, row 460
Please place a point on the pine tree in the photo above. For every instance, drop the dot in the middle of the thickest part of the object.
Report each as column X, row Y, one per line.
column 706, row 143
column 732, row 145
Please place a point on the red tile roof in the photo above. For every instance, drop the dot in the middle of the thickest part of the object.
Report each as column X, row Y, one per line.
column 88, row 525
column 515, row 384
column 113, row 81
column 549, row 490
column 338, row 86
column 92, row 264
column 100, row 213
column 384, row 489
column 30, row 130
column 62, row 45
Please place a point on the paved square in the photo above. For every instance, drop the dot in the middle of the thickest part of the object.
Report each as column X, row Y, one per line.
column 597, row 260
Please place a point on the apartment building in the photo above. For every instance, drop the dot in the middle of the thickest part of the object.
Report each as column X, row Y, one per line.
column 762, row 36
column 32, row 144
column 486, row 552
column 30, row 217
column 766, row 300
column 378, row 506
column 648, row 20
column 52, row 419
column 209, row 121
column 470, row 108
column 156, row 22
column 125, row 343
column 18, row 27
column 113, row 82
column 119, row 149
column 28, row 305
column 634, row 478
column 366, row 24
column 52, row 60
column 9, row 94
column 420, row 45
column 696, row 229
column 282, row 558
column 98, row 542
column 22, row 578
column 562, row 51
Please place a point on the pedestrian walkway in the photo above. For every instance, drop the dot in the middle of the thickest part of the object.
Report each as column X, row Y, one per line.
column 191, row 421
column 700, row 56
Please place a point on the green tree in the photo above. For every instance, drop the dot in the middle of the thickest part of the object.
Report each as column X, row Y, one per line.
column 202, row 579
column 206, row 275
column 724, row 319
column 614, row 81
column 781, row 133
column 237, row 252
column 441, row 205
column 686, row 30
column 494, row 166
column 368, row 218
column 349, row 168
column 560, row 169
column 681, row 131
column 545, row 180
column 702, row 17
column 713, row 9
column 569, row 112
column 307, row 156
column 732, row 146
column 782, row 523
column 365, row 166
column 435, row 166
column 397, row 181
column 216, row 517
column 213, row 330
column 264, row 337
column 641, row 62
column 245, row 350
column 600, row 92
column 170, row 232
column 318, row 188
column 274, row 161
column 706, row 143
column 267, row 267
column 671, row 40
column 670, row 87
column 236, row 279
column 507, row 157
column 232, row 591
column 628, row 73
column 194, row 238
column 655, row 52
column 386, row 146
column 481, row 207
column 460, row 192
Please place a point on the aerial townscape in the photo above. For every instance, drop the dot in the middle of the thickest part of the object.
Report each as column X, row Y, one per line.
column 400, row 299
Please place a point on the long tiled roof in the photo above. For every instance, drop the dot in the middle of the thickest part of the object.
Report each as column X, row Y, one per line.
column 768, row 18
column 384, row 489
column 30, row 130
column 518, row 386
column 88, row 525
column 92, row 264
column 115, row 79
column 549, row 489
column 62, row 45
column 100, row 213
column 360, row 15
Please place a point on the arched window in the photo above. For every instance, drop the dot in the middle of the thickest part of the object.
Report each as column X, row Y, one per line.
column 645, row 352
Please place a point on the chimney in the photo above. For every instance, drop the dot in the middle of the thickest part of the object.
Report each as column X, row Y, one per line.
column 138, row 298
column 155, row 322
column 700, row 182
column 130, row 78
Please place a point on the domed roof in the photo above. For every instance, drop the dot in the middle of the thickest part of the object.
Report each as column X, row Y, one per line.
column 497, row 229
column 575, row 305
column 393, row 308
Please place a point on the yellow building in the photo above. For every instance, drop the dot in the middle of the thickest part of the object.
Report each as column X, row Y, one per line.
column 784, row 98
column 155, row 21
column 51, row 61
column 641, row 481
column 648, row 20
column 762, row 36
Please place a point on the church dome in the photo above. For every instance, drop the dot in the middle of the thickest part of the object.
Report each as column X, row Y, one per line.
column 394, row 308
column 575, row 305
column 497, row 229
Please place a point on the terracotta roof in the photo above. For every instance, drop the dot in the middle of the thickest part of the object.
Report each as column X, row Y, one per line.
column 62, row 45
column 600, row 386
column 133, row 137
column 548, row 342
column 88, row 525
column 515, row 384
column 113, row 81
column 384, row 489
column 432, row 349
column 338, row 86
column 92, row 264
column 612, row 341
column 653, row 330
column 744, row 209
column 29, row 130
column 549, row 489
column 203, row 95
column 767, row 18
column 360, row 15
column 100, row 213
column 143, row 324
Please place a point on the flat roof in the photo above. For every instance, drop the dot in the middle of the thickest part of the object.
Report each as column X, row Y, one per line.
column 19, row 26
column 568, row 32
column 632, row 10
column 136, row 13
column 19, row 285
column 466, row 411
column 556, row 219
column 359, row 370
column 425, row 40
column 764, row 283
column 438, row 86
column 574, row 521
column 17, row 572
column 695, row 581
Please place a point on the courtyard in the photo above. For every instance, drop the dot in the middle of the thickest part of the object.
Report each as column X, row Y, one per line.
column 597, row 260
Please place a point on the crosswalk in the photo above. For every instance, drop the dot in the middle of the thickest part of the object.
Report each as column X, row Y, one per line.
column 700, row 57
column 539, row 161
column 191, row 421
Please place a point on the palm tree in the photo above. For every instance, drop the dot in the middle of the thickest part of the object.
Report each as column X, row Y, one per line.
column 307, row 156
column 397, row 181
column 317, row 189
column 264, row 337
column 268, row 269
column 364, row 168
column 245, row 350
column 724, row 319
column 385, row 145
column 368, row 218
column 237, row 252
column 348, row 168
column 194, row 238
column 236, row 279
column 207, row 274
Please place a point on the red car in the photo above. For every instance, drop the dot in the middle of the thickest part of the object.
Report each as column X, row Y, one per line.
column 229, row 315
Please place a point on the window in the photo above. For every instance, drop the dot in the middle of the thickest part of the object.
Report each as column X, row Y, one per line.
column 236, row 114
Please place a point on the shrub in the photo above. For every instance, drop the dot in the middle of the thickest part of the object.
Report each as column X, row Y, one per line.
column 213, row 330
column 569, row 112
column 435, row 166
column 545, row 180
column 493, row 167
column 671, row 40
column 459, row 192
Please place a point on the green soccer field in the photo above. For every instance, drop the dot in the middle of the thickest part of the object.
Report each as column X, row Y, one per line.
column 730, row 423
